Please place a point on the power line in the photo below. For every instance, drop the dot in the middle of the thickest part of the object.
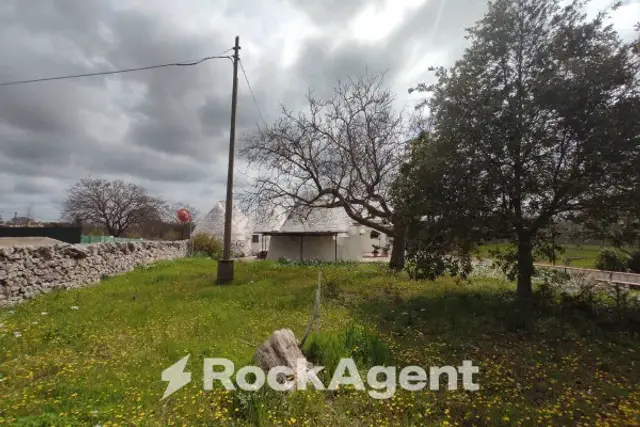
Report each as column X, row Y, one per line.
column 126, row 70
column 252, row 95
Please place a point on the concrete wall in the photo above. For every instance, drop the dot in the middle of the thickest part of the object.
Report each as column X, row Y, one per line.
column 26, row 272
column 322, row 248
column 350, row 248
column 363, row 234
column 241, row 246
column 368, row 242
column 262, row 244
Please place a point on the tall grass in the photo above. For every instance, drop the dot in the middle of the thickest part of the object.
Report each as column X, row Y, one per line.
column 357, row 342
column 553, row 364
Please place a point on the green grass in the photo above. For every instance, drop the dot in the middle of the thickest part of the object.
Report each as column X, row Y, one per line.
column 101, row 364
column 581, row 256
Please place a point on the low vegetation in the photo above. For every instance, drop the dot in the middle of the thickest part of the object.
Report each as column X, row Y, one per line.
column 206, row 245
column 617, row 260
column 94, row 356
column 581, row 256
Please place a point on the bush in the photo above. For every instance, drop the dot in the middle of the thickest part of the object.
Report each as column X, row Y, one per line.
column 425, row 265
column 610, row 260
column 633, row 264
column 206, row 245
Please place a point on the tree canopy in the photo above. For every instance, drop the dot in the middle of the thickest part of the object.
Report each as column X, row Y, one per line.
column 538, row 121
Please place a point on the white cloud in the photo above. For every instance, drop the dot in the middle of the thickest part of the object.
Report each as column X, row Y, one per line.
column 376, row 21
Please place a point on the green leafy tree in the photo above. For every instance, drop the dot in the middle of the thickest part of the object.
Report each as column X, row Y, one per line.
column 539, row 120
column 616, row 217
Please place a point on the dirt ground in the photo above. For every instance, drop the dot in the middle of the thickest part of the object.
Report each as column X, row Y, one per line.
column 27, row 241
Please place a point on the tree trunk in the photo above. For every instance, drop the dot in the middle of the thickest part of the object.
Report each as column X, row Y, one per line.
column 397, row 251
column 525, row 267
column 113, row 231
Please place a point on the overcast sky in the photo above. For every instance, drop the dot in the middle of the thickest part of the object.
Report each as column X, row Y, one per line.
column 167, row 129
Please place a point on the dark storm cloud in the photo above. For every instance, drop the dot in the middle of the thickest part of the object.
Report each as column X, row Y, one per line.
column 51, row 149
column 167, row 119
column 168, row 128
column 49, row 116
column 60, row 18
column 214, row 117
column 149, row 164
column 30, row 187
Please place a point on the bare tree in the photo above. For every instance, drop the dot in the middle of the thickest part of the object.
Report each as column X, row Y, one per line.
column 343, row 152
column 116, row 205
column 30, row 217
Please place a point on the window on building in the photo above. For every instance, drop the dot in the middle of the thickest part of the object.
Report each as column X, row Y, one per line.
column 255, row 238
column 375, row 234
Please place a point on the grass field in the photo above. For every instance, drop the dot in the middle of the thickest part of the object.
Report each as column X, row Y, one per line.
column 94, row 356
column 581, row 256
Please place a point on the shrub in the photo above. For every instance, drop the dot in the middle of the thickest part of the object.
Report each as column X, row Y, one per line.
column 207, row 245
column 633, row 264
column 610, row 260
column 422, row 264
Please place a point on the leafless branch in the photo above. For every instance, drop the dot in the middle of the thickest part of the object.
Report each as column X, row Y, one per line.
column 341, row 152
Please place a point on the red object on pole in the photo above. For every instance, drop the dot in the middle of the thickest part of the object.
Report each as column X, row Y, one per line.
column 184, row 216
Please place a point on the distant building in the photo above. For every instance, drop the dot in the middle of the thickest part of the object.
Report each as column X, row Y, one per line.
column 213, row 225
column 325, row 235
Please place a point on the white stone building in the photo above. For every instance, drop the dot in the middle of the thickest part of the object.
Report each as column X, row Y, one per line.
column 324, row 235
column 213, row 225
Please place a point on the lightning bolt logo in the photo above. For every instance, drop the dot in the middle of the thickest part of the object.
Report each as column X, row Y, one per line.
column 176, row 376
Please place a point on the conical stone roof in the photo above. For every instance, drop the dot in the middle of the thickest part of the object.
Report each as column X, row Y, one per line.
column 213, row 224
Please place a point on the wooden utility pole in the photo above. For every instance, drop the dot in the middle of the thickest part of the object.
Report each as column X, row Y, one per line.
column 225, row 265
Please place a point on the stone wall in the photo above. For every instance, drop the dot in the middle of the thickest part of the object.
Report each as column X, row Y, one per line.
column 26, row 272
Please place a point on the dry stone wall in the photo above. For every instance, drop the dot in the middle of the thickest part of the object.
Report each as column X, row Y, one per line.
column 26, row 272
